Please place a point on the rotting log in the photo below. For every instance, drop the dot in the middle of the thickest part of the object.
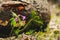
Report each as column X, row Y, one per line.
column 5, row 8
column 45, row 16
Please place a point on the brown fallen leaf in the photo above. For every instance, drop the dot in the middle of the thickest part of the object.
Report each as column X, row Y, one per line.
column 3, row 23
column 22, row 23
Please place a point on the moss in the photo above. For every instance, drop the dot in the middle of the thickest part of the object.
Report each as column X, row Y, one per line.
column 56, row 32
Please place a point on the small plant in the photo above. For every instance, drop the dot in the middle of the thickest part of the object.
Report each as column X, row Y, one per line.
column 13, row 22
column 33, row 18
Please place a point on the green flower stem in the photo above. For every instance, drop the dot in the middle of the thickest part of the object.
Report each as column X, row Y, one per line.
column 26, row 25
column 19, row 23
column 14, row 15
column 11, row 30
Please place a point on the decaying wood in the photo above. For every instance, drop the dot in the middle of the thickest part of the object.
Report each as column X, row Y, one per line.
column 45, row 16
column 12, row 3
column 15, row 2
column 5, row 8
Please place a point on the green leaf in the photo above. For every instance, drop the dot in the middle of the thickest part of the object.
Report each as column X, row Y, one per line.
column 13, row 22
column 29, row 32
column 14, row 14
column 11, row 19
column 16, row 31
column 37, row 18
column 38, row 21
column 33, row 13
